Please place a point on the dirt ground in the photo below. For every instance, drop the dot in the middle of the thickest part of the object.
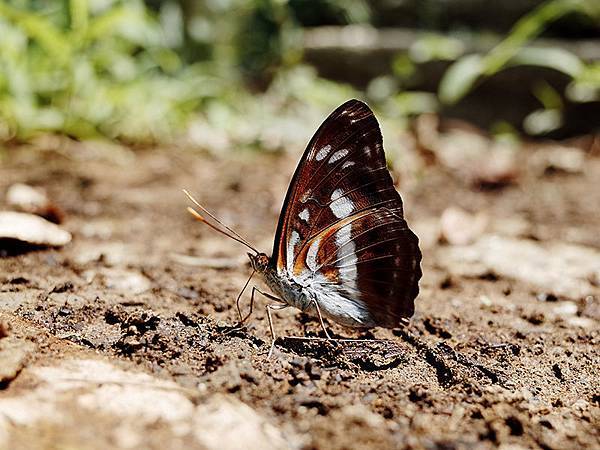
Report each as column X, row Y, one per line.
column 125, row 337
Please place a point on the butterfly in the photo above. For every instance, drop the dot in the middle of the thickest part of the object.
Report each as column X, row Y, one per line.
column 342, row 249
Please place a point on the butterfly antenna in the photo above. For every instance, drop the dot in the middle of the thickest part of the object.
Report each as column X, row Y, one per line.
column 227, row 232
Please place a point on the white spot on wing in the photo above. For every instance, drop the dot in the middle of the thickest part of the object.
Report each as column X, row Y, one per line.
column 311, row 255
column 338, row 155
column 294, row 239
column 346, row 255
column 340, row 206
column 337, row 194
column 323, row 152
column 304, row 215
column 367, row 151
column 347, row 164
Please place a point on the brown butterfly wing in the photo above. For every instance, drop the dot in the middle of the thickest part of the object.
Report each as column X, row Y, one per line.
column 343, row 220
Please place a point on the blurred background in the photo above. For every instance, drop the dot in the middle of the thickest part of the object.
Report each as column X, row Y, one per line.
column 490, row 112
column 229, row 74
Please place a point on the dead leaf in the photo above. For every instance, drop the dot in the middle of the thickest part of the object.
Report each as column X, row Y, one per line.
column 32, row 230
column 32, row 200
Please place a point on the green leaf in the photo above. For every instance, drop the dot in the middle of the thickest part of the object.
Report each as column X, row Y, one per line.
column 39, row 29
column 79, row 14
column 527, row 28
column 460, row 78
column 553, row 58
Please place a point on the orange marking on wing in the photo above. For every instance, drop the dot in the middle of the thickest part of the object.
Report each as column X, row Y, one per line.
column 332, row 274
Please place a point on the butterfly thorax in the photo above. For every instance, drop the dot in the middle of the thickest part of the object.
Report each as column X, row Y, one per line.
column 288, row 290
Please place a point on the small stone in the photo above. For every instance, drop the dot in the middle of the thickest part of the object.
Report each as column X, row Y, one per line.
column 459, row 227
column 26, row 197
column 126, row 281
column 32, row 200
column 581, row 322
column 14, row 354
column 558, row 160
column 580, row 405
column 565, row 309
column 485, row 300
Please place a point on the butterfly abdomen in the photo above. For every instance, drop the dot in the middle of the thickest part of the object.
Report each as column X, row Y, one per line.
column 289, row 291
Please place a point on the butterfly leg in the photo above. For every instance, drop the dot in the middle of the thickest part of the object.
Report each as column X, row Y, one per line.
column 321, row 318
column 273, row 307
column 239, row 310
column 254, row 290
column 239, row 297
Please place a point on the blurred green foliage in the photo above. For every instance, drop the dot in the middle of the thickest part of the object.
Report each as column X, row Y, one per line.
column 90, row 68
column 138, row 71
column 141, row 71
column 469, row 70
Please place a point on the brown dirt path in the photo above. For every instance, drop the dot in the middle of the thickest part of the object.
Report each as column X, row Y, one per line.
column 491, row 359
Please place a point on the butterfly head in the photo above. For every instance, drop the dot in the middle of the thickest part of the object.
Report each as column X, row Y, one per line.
column 259, row 261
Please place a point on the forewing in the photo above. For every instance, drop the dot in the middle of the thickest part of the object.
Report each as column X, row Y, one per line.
column 342, row 171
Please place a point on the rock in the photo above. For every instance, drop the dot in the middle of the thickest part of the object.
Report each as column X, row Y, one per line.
column 497, row 169
column 76, row 397
column 124, row 394
column 13, row 355
column 459, row 227
column 99, row 388
column 32, row 229
column 215, row 420
column 4, row 329
column 561, row 269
